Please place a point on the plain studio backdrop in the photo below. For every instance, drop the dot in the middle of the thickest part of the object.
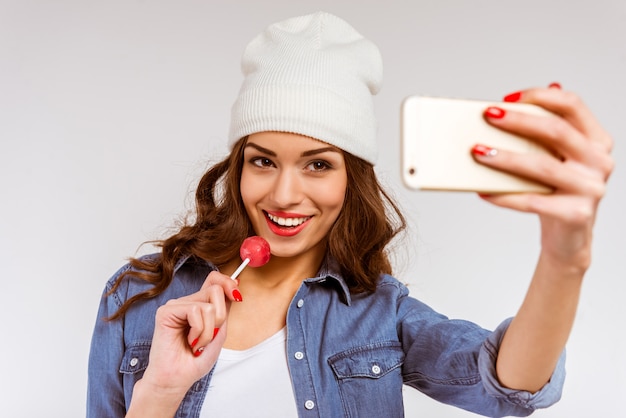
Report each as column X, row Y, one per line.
column 111, row 110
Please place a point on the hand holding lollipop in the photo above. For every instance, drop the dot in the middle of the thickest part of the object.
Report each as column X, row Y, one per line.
column 171, row 331
column 254, row 251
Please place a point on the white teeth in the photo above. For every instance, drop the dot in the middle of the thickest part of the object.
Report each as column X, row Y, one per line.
column 288, row 221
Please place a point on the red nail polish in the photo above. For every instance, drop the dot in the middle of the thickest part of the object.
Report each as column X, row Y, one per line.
column 215, row 331
column 193, row 344
column 480, row 149
column 494, row 112
column 555, row 85
column 237, row 295
column 513, row 97
column 198, row 351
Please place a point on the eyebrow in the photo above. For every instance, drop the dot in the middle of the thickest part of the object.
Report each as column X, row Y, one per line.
column 304, row 154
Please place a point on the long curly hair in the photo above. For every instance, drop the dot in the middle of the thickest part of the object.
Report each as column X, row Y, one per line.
column 368, row 221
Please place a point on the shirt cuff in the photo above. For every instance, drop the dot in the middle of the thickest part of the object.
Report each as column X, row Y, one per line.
column 548, row 395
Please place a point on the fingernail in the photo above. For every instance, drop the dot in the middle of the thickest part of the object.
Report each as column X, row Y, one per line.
column 555, row 85
column 198, row 351
column 513, row 97
column 494, row 112
column 237, row 295
column 193, row 344
column 479, row 149
column 215, row 331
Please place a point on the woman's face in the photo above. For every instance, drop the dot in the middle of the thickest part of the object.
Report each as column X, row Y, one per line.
column 293, row 189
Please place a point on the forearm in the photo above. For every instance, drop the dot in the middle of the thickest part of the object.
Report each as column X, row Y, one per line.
column 537, row 335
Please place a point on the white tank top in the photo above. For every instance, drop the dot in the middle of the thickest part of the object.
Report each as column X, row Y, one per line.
column 252, row 383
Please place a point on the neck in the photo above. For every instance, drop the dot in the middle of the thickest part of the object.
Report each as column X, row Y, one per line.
column 267, row 292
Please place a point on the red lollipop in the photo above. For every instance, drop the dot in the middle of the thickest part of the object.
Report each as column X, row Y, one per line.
column 254, row 251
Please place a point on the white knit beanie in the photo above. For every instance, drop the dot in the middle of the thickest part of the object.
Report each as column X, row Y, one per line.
column 314, row 75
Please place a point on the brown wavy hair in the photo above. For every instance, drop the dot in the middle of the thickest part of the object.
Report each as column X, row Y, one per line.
column 368, row 221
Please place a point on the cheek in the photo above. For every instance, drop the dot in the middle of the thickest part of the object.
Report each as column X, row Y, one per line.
column 249, row 190
column 333, row 197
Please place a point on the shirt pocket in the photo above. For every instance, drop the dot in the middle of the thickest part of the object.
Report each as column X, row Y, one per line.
column 134, row 363
column 370, row 379
column 135, row 359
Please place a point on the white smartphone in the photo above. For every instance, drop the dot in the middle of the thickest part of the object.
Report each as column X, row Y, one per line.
column 438, row 134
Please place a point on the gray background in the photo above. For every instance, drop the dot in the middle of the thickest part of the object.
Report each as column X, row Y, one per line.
column 111, row 110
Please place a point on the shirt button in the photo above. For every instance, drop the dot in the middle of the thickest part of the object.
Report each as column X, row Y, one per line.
column 309, row 404
column 134, row 361
column 300, row 303
column 376, row 369
column 299, row 355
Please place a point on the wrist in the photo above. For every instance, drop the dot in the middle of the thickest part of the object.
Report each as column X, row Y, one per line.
column 570, row 267
column 154, row 400
column 568, row 251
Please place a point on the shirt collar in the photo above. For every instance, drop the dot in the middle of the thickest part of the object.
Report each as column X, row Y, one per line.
column 188, row 259
column 180, row 262
column 330, row 271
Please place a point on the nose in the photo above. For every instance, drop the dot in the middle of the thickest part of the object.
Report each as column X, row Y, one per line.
column 287, row 190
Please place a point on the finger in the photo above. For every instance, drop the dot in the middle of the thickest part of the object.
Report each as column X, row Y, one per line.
column 217, row 278
column 212, row 316
column 219, row 305
column 178, row 317
column 229, row 288
column 210, row 351
column 568, row 177
column 214, row 320
column 201, row 325
column 229, row 285
column 573, row 210
column 552, row 131
column 572, row 108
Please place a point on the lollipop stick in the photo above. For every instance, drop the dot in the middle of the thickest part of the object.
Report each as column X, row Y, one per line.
column 240, row 268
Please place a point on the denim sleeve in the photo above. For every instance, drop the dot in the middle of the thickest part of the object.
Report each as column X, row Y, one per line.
column 453, row 361
column 105, row 392
column 548, row 395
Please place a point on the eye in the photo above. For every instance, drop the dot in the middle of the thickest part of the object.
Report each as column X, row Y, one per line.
column 318, row 165
column 262, row 162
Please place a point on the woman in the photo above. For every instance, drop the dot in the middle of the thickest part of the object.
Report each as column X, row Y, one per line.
column 323, row 329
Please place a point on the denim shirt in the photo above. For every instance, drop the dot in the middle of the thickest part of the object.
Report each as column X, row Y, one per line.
column 348, row 354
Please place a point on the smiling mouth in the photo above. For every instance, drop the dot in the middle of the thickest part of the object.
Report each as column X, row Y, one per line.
column 287, row 222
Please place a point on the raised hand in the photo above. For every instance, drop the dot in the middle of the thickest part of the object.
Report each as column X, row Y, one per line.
column 188, row 336
column 578, row 170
